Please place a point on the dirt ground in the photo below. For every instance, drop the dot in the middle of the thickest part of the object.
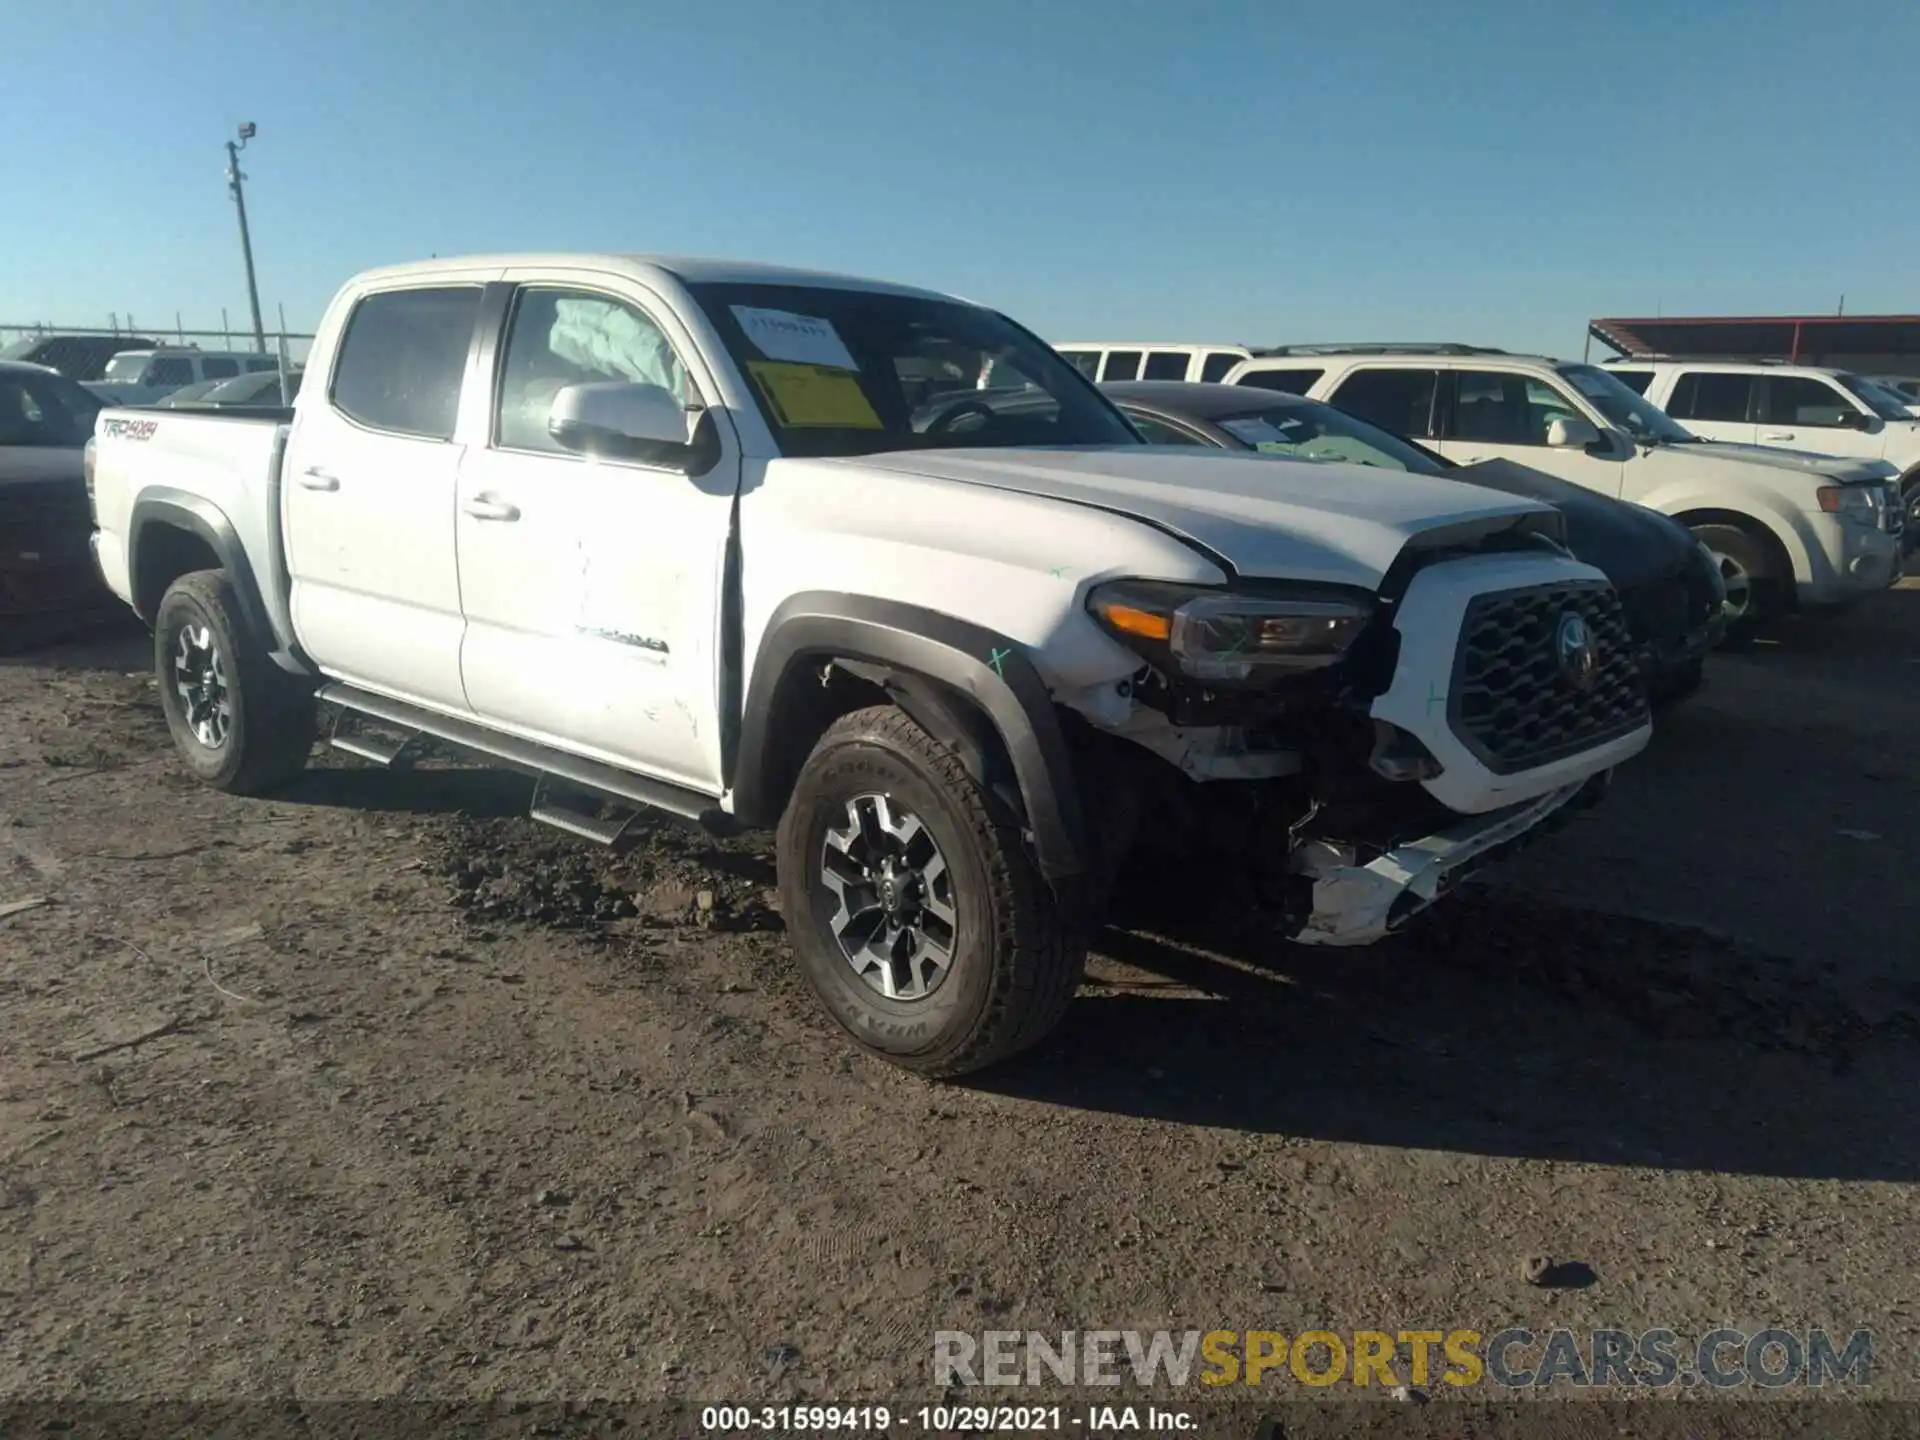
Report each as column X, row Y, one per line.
column 378, row 1089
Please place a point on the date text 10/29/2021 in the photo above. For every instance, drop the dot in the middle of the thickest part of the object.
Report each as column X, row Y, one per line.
column 945, row 1419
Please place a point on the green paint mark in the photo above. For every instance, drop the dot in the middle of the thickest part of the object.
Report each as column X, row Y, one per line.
column 1434, row 698
column 1058, row 572
column 995, row 660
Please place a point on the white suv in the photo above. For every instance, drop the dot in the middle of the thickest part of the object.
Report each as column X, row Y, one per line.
column 1788, row 530
column 1794, row 407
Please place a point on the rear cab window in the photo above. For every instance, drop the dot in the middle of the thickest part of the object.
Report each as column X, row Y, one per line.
column 1635, row 380
column 402, row 358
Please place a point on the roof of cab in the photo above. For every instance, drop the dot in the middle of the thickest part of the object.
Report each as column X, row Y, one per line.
column 686, row 268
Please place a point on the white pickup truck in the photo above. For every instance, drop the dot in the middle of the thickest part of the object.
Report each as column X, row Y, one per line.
column 744, row 544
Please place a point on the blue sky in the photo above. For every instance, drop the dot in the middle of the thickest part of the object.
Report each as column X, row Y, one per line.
column 1492, row 172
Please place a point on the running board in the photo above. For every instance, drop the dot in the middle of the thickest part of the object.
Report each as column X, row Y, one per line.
column 387, row 754
column 548, row 766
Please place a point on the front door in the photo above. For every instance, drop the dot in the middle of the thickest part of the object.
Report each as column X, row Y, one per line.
column 592, row 586
column 1805, row 412
column 367, row 497
column 1508, row 415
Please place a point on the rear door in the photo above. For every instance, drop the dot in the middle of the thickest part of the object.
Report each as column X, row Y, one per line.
column 368, row 495
column 1508, row 415
column 592, row 586
column 1715, row 404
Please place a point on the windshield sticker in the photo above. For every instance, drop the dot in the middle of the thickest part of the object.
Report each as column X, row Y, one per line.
column 814, row 396
column 1260, row 432
column 805, row 339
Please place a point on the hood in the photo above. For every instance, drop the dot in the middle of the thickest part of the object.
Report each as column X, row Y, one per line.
column 1838, row 468
column 1629, row 542
column 1266, row 518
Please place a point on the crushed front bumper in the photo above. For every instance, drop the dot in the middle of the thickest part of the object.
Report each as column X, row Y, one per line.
column 1360, row 904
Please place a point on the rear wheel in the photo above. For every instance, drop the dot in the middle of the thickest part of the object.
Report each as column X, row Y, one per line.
column 915, row 905
column 239, row 722
column 1751, row 571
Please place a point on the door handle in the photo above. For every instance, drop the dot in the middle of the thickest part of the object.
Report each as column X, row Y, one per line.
column 314, row 478
column 1776, row 434
column 486, row 507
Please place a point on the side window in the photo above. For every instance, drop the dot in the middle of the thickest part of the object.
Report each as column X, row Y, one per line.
column 1635, row 380
column 264, row 362
column 171, row 370
column 215, row 368
column 1157, row 433
column 569, row 337
column 1122, row 365
column 1400, row 401
column 1087, row 362
column 1166, row 365
column 1710, row 395
column 1803, row 400
column 1287, row 382
column 402, row 358
column 1218, row 364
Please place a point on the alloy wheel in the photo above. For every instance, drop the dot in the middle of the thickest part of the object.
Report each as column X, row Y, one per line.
column 200, row 680
column 894, row 917
column 1739, row 586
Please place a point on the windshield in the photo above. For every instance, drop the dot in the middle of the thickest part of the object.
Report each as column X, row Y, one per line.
column 853, row 372
column 1635, row 414
column 128, row 366
column 1880, row 401
column 1308, row 430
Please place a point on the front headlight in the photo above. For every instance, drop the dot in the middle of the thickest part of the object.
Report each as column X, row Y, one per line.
column 1856, row 502
column 1225, row 638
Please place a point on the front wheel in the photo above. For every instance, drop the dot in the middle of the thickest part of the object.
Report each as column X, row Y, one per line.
column 1756, row 588
column 239, row 722
column 915, row 905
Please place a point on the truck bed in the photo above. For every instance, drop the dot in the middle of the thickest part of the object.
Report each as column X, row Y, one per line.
column 220, row 466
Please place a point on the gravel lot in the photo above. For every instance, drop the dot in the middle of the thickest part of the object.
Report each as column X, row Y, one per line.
column 378, row 1089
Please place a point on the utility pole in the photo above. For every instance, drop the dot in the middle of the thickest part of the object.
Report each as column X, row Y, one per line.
column 234, row 179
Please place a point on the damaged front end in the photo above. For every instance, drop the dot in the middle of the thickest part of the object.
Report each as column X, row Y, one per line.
column 1282, row 767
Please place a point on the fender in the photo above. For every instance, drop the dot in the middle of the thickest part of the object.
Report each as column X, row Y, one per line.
column 164, row 506
column 903, row 647
column 1784, row 523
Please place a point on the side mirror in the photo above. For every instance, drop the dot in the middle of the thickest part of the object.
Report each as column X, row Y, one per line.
column 1571, row 432
column 622, row 418
column 1858, row 420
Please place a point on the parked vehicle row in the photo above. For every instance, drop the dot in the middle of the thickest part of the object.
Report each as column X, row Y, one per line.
column 140, row 377
column 769, row 547
column 1789, row 530
column 1807, row 408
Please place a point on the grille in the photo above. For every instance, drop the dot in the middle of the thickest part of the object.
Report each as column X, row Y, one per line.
column 1512, row 704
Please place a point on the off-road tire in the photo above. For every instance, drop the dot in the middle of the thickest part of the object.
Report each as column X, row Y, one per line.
column 1767, row 584
column 1018, row 953
column 271, row 729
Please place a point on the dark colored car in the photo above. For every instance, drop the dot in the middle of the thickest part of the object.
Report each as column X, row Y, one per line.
column 1668, row 585
column 47, row 578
